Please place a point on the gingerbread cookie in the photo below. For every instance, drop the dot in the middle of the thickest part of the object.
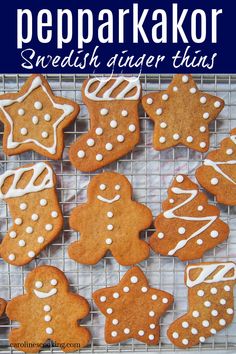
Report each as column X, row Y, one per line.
column 34, row 119
column 48, row 310
column 181, row 114
column 30, row 192
column 3, row 305
column 132, row 309
column 110, row 221
column 188, row 225
column 211, row 303
column 114, row 128
column 218, row 172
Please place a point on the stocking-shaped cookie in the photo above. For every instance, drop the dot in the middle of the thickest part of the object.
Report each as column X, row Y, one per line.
column 110, row 220
column 48, row 310
column 132, row 309
column 218, row 172
column 3, row 304
column 114, row 128
column 211, row 303
column 34, row 119
column 37, row 220
column 188, row 225
column 181, row 114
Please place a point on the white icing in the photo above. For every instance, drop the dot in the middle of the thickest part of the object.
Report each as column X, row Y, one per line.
column 185, row 78
column 162, row 139
column 169, row 214
column 99, row 131
column 176, row 136
column 11, row 257
column 185, row 324
column 43, row 202
column 22, row 243
column 126, row 330
column 165, row 300
column 38, row 284
column 40, row 239
column 149, row 100
column 109, row 214
column 37, row 169
column 47, row 308
column 151, row 336
column 102, row 187
column 207, row 270
column 47, row 117
column 116, row 295
column 163, row 125
column 227, row 288
column 110, row 227
column 49, row 330
column 103, row 298
column 213, row 291
column 205, row 323
column 165, row 97
column 175, row 88
column 206, row 115
column 132, row 128
column 154, row 297
column 120, row 138
column 23, row 206
column 99, row 157
column 200, row 293
column 160, row 235
column 12, row 234
column 29, row 230
column 217, row 104
column 48, row 227
column 189, row 139
column 215, row 165
column 117, row 187
column 214, row 181
column 44, row 134
column 53, row 282
column 192, row 90
column 113, row 124
column 21, row 112
column 81, row 154
column 90, row 142
column 222, row 322
column 54, row 214
column 141, row 333
column 67, row 109
column 175, row 335
column 109, row 201
column 202, row 129
column 124, row 113
column 202, row 144
column 44, row 295
column 126, row 289
column 109, row 310
column 108, row 146
column 38, row 105
column 115, row 322
column 144, row 289
column 203, row 99
column 134, row 279
column 107, row 94
column 31, row 254
column 159, row 111
column 24, row 131
column 185, row 341
column 18, row 221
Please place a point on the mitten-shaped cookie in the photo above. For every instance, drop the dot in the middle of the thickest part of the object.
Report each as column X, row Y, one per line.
column 114, row 126
column 3, row 305
column 218, row 172
column 110, row 220
column 30, row 192
column 188, row 225
column 211, row 303
column 132, row 309
column 34, row 119
column 181, row 114
column 48, row 310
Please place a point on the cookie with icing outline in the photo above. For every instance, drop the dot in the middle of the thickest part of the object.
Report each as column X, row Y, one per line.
column 30, row 192
column 48, row 310
column 114, row 122
column 34, row 119
column 132, row 309
column 110, row 221
column 181, row 114
column 218, row 172
column 188, row 225
column 211, row 303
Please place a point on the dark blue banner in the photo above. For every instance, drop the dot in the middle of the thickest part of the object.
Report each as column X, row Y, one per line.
column 71, row 36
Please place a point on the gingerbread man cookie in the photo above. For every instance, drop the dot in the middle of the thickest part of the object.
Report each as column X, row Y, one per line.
column 30, row 192
column 181, row 114
column 3, row 305
column 114, row 129
column 132, row 309
column 48, row 310
column 188, row 225
column 34, row 119
column 110, row 221
column 211, row 303
column 218, row 172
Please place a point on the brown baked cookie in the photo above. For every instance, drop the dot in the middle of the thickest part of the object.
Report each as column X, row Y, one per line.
column 110, row 221
column 132, row 309
column 114, row 123
column 34, row 119
column 188, row 225
column 218, row 172
column 211, row 303
column 3, row 305
column 181, row 114
column 48, row 310
column 30, row 192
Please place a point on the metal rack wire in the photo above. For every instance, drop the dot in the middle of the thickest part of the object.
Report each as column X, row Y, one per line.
column 150, row 172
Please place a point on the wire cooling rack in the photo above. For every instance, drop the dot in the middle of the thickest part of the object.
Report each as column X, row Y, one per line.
column 150, row 172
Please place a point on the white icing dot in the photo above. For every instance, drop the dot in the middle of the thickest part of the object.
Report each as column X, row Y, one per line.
column 222, row 322
column 23, row 206
column 11, row 257
column 181, row 230
column 202, row 129
column 217, row 104
column 203, row 99
column 179, row 179
column 54, row 214
column 126, row 330
column 230, row 311
column 195, row 314
column 109, row 214
column 48, row 227
column 124, row 113
column 154, row 297
column 117, row 187
column 24, row 131
column 109, row 147
column 151, row 336
column 185, row 78
column 29, row 230
column 207, row 303
column 99, row 157
column 43, row 202
column 120, row 138
column 109, row 241
column 189, row 139
column 214, row 313
column 202, row 339
column 18, row 221
column 126, row 289
column 47, row 117
column 90, row 142
column 141, row 333
column 200, row 208
column 47, row 308
column 134, row 279
column 176, row 136
column 110, row 227
column 185, row 324
column 175, row 335
column 149, row 100
column 214, row 181
column 115, row 322
column 104, row 111
column 21, row 112
column 159, row 111
column 103, row 298
column 31, row 254
column 213, row 291
column 132, row 128
column 151, row 313
column 229, row 151
column 160, row 235
column 165, row 97
column 99, row 131
column 144, row 289
column 116, row 295
column 185, row 341
column 205, row 323
column 222, row 301
column 49, row 330
column 227, row 288
column 22, row 243
column 47, row 318
column 53, row 282
column 171, row 201
column 175, row 88
column 213, row 331
column 162, row 139
column 152, row 326
column 12, row 234
column 109, row 310
column 113, row 124
column 102, row 187
column 194, row 331
column 81, row 154
column 35, row 120
column 192, row 90
column 38, row 105
column 163, row 125
column 200, row 293
column 202, row 144
column 199, row 241
column 165, row 300
column 40, row 239
column 206, row 115
column 38, row 284
column 214, row 234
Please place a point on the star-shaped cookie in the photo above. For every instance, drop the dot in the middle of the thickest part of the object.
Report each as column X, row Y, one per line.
column 132, row 308
column 181, row 114
column 34, row 119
